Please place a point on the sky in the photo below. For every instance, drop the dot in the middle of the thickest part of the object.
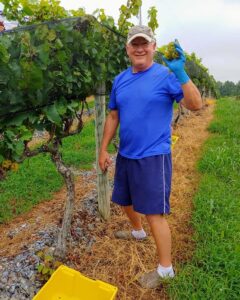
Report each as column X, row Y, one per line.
column 210, row 28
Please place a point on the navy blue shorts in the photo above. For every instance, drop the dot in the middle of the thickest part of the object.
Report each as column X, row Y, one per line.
column 144, row 183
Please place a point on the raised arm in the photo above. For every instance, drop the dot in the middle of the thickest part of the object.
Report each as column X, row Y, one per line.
column 192, row 99
column 110, row 128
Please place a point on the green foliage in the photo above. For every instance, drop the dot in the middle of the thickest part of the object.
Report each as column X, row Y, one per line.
column 28, row 11
column 229, row 88
column 213, row 272
column 47, row 69
column 126, row 12
column 56, row 50
column 152, row 15
column 44, row 77
column 80, row 12
column 104, row 19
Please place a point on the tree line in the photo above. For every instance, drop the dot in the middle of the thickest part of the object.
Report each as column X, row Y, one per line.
column 229, row 88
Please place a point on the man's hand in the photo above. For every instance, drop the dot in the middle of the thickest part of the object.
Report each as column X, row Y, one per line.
column 104, row 160
column 177, row 65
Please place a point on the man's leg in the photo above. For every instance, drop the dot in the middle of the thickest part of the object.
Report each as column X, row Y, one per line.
column 134, row 217
column 162, row 236
column 137, row 231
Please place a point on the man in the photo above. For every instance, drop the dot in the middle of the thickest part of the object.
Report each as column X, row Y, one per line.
column 141, row 102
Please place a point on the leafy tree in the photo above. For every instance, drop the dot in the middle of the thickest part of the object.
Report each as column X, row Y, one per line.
column 229, row 88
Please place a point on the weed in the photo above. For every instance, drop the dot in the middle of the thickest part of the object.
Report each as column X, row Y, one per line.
column 47, row 266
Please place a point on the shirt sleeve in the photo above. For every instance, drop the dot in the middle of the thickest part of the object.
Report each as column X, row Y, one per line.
column 175, row 88
column 113, row 103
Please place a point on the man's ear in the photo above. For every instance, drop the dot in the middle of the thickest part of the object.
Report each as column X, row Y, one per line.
column 126, row 47
column 155, row 46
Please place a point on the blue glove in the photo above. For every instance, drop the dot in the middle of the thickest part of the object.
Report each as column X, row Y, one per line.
column 177, row 65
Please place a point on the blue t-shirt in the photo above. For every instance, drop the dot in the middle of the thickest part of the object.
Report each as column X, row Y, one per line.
column 144, row 101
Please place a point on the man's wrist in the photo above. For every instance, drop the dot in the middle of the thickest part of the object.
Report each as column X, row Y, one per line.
column 103, row 149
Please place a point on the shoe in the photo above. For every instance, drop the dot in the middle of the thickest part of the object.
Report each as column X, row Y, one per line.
column 127, row 235
column 152, row 280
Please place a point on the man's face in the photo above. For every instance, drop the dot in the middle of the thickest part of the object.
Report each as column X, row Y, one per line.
column 141, row 53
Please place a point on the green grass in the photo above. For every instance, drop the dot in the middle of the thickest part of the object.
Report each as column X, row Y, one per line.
column 214, row 271
column 37, row 178
column 80, row 150
column 35, row 181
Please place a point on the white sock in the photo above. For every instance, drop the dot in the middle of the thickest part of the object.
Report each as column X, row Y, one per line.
column 139, row 234
column 165, row 271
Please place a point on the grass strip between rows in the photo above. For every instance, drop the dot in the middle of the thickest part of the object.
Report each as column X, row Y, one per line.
column 214, row 271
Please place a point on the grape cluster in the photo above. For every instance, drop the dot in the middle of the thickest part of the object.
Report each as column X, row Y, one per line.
column 169, row 51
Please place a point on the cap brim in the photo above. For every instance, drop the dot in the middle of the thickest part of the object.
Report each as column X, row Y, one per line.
column 143, row 35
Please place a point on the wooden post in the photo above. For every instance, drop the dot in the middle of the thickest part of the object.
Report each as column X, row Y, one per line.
column 102, row 180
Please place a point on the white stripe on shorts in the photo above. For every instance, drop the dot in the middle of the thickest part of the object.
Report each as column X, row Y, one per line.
column 164, row 193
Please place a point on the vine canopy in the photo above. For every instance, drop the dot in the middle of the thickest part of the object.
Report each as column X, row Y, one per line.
column 56, row 63
column 47, row 71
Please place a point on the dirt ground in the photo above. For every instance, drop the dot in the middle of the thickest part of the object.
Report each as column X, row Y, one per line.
column 121, row 262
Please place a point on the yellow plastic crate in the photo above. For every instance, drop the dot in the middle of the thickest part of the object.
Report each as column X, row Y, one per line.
column 68, row 284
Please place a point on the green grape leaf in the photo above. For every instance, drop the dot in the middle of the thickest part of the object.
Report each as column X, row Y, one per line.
column 61, row 108
column 27, row 136
column 52, row 35
column 43, row 52
column 52, row 114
